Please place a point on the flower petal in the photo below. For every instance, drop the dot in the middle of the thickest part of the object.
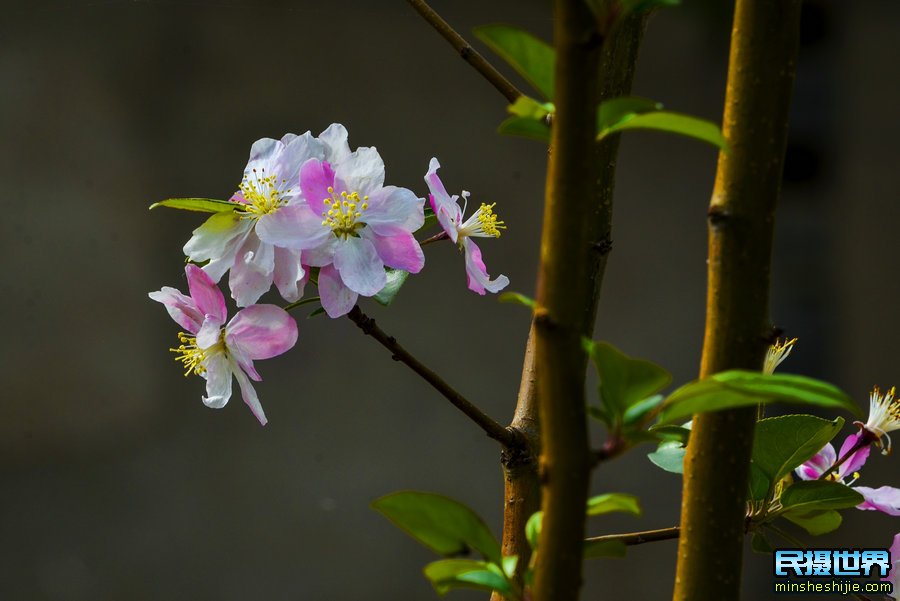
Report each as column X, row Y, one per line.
column 297, row 151
column 857, row 460
column 262, row 151
column 295, row 226
column 209, row 334
column 335, row 140
column 218, row 381
column 261, row 331
column 217, row 241
column 816, row 465
column 289, row 275
column 361, row 269
column 362, row 172
column 885, row 499
column 398, row 249
column 445, row 207
column 206, row 294
column 253, row 270
column 393, row 207
column 180, row 307
column 248, row 393
column 337, row 299
column 315, row 178
column 478, row 278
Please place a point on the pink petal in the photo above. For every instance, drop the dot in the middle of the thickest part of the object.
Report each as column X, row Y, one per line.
column 361, row 269
column 181, row 308
column 361, row 172
column 399, row 250
column 885, row 499
column 289, row 275
column 315, row 178
column 244, row 362
column 818, row 463
column 253, row 270
column 445, row 207
column 337, row 299
column 294, row 226
column 248, row 393
column 392, row 207
column 205, row 293
column 857, row 460
column 261, row 331
column 478, row 278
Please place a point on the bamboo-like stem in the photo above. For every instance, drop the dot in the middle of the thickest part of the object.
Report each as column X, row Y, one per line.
column 564, row 281
column 639, row 538
column 466, row 52
column 505, row 436
column 760, row 77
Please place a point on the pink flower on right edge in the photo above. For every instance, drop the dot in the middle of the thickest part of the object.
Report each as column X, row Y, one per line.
column 894, row 576
column 482, row 223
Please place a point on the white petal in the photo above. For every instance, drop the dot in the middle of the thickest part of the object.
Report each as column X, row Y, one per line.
column 218, row 381
column 249, row 395
column 361, row 269
column 362, row 172
column 335, row 140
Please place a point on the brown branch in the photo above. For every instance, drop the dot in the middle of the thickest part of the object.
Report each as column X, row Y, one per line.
column 639, row 538
column 741, row 216
column 466, row 52
column 505, row 436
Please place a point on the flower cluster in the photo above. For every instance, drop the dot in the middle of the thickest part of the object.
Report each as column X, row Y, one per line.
column 308, row 209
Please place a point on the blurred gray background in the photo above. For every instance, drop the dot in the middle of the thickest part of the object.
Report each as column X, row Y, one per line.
column 117, row 483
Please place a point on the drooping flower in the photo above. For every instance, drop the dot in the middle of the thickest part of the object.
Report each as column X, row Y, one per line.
column 483, row 223
column 349, row 223
column 894, row 576
column 777, row 353
column 230, row 240
column 884, row 415
column 885, row 499
column 215, row 350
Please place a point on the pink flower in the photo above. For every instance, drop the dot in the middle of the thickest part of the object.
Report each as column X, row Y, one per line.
column 894, row 576
column 349, row 224
column 215, row 352
column 885, row 499
column 481, row 224
column 230, row 240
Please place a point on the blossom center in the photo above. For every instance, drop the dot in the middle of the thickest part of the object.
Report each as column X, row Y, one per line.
column 190, row 355
column 263, row 193
column 884, row 415
column 343, row 212
column 484, row 223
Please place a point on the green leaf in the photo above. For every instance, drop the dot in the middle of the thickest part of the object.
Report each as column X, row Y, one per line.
column 815, row 522
column 677, row 433
column 760, row 544
column 440, row 523
column 669, row 455
column 601, row 414
column 526, row 106
column 760, row 483
column 206, row 205
column 594, row 549
column 395, row 279
column 625, row 381
column 533, row 528
column 630, row 6
column 612, row 111
column 525, row 127
column 516, row 298
column 674, row 123
column 783, row 443
column 818, row 495
column 606, row 11
column 642, row 409
column 316, row 313
column 532, row 57
column 448, row 574
column 742, row 388
column 613, row 502
column 509, row 565
column 430, row 219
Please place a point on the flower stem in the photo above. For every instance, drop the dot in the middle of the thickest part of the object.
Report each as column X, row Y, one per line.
column 505, row 436
column 765, row 40
column 466, row 52
column 865, row 440
column 435, row 238
column 639, row 538
column 301, row 302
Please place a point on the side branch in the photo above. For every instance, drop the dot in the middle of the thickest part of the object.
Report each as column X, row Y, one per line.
column 466, row 52
column 508, row 438
column 639, row 538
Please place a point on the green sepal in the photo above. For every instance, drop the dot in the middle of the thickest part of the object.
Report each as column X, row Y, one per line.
column 205, row 205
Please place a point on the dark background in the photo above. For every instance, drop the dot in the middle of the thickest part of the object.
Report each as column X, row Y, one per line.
column 117, row 483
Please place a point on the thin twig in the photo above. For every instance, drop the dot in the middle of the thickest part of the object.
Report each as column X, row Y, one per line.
column 504, row 436
column 639, row 538
column 466, row 52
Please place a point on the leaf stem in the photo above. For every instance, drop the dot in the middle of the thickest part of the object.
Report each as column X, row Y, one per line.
column 639, row 538
column 505, row 436
column 466, row 51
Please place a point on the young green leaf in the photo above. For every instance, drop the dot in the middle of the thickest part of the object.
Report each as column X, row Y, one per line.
column 815, row 522
column 440, row 523
column 669, row 455
column 526, row 106
column 760, row 544
column 614, row 110
column 525, row 127
column 594, row 549
column 516, row 298
column 205, row 205
column 818, row 495
column 509, row 565
column 533, row 528
column 448, row 574
column 638, row 412
column 395, row 279
column 673, row 123
column 532, row 57
column 613, row 502
column 625, row 381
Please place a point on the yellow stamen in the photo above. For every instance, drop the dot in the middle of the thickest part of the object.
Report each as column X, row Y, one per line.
column 344, row 213
column 190, row 355
column 264, row 194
